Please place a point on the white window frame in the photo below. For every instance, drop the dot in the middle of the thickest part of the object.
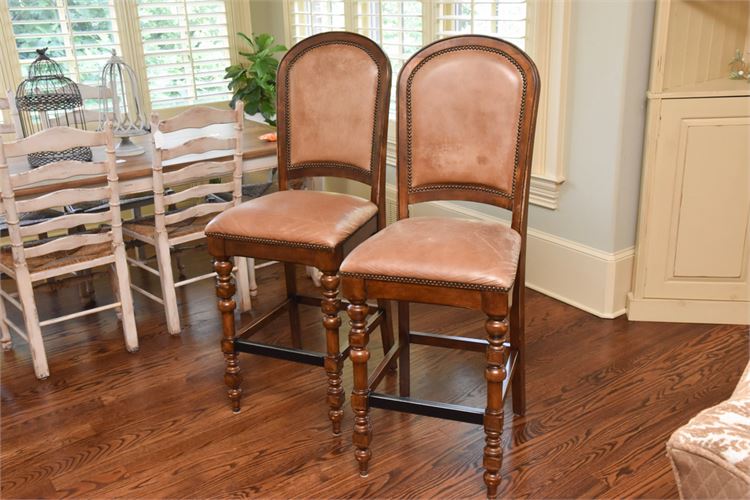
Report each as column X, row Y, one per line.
column 548, row 41
column 126, row 13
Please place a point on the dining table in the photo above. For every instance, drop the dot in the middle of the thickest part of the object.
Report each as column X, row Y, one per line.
column 135, row 173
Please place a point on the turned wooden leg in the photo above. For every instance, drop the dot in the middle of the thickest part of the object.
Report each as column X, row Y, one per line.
column 225, row 292
column 333, row 362
column 496, row 327
column 359, row 355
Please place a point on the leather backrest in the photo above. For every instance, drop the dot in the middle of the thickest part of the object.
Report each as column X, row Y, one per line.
column 333, row 92
column 467, row 109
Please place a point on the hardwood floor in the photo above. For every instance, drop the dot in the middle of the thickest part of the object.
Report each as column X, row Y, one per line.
column 603, row 396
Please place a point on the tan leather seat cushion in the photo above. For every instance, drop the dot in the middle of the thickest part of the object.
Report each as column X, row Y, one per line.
column 298, row 218
column 458, row 253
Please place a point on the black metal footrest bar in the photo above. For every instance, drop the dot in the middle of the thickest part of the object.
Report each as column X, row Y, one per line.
column 279, row 352
column 427, row 408
column 435, row 409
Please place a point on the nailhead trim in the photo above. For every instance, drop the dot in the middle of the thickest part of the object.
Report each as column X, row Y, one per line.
column 378, row 107
column 329, row 164
column 435, row 187
column 418, row 281
column 268, row 241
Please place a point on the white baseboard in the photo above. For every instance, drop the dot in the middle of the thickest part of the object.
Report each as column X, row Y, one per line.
column 592, row 280
column 725, row 312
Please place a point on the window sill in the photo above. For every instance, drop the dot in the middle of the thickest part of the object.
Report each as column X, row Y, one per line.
column 544, row 191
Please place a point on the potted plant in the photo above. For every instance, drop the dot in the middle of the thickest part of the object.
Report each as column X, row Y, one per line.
column 255, row 83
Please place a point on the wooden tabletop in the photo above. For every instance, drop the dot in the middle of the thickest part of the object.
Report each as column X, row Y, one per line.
column 139, row 167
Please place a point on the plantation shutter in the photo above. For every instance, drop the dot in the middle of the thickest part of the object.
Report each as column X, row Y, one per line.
column 309, row 17
column 80, row 34
column 504, row 19
column 186, row 49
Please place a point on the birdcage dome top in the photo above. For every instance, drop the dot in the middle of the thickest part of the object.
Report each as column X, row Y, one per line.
column 46, row 87
column 44, row 66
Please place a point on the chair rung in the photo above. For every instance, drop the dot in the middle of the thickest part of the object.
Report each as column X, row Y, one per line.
column 79, row 314
column 193, row 280
column 343, row 304
column 447, row 341
column 147, row 294
column 142, row 265
column 279, row 352
column 261, row 322
column 427, row 408
column 380, row 371
column 12, row 299
column 16, row 329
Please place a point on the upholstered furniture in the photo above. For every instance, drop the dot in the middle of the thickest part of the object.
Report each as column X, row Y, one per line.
column 333, row 95
column 466, row 114
column 710, row 455
column 182, row 199
column 29, row 259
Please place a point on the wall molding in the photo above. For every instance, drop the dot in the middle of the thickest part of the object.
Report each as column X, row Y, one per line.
column 587, row 278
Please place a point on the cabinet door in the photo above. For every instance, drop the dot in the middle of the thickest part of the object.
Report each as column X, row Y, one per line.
column 697, row 226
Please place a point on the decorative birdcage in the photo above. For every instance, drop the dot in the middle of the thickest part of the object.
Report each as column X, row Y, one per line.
column 120, row 104
column 47, row 98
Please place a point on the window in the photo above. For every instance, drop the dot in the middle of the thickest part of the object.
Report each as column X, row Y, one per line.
column 179, row 49
column 80, row 34
column 310, row 17
column 402, row 27
column 186, row 49
column 504, row 19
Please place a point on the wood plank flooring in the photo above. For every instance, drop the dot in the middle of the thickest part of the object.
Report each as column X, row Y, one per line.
column 604, row 396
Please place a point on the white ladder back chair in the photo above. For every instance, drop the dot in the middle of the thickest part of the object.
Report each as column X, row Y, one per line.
column 89, row 93
column 13, row 125
column 194, row 199
column 31, row 260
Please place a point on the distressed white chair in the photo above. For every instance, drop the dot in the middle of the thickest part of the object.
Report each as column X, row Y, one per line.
column 195, row 199
column 13, row 125
column 90, row 93
column 28, row 261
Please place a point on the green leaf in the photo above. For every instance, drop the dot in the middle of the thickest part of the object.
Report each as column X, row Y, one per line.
column 264, row 40
column 248, row 40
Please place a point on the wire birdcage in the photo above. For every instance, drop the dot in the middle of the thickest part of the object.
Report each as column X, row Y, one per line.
column 122, row 107
column 47, row 98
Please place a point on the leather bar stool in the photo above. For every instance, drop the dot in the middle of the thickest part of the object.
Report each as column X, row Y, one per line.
column 466, row 115
column 333, row 98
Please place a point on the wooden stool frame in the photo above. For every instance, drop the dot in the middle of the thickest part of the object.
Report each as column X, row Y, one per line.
column 505, row 357
column 327, row 261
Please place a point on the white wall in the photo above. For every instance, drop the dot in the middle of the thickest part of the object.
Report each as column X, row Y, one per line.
column 268, row 17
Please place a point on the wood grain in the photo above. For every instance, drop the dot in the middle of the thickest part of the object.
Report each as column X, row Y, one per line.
column 603, row 396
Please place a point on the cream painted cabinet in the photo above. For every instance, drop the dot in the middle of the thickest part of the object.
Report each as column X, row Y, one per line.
column 693, row 245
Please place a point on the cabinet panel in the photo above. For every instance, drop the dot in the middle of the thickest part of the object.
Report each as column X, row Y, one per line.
column 713, row 209
column 697, row 223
